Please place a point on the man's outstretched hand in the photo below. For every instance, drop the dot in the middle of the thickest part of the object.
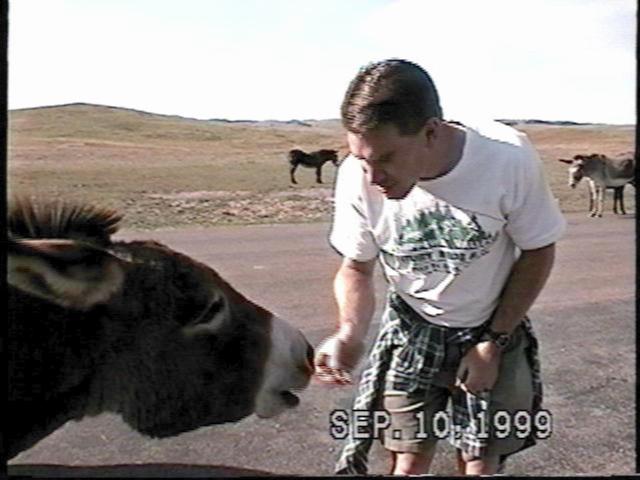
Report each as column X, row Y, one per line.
column 336, row 358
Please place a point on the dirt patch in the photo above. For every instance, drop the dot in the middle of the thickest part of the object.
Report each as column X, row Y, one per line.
column 199, row 195
column 311, row 193
column 208, row 208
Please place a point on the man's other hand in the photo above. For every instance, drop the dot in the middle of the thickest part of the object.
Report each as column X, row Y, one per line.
column 478, row 371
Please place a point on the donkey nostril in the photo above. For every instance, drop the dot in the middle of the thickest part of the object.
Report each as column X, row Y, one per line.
column 310, row 357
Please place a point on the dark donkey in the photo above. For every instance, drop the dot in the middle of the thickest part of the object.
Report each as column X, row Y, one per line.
column 133, row 328
column 311, row 160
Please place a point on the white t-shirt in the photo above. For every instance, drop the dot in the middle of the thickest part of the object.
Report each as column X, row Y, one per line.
column 449, row 245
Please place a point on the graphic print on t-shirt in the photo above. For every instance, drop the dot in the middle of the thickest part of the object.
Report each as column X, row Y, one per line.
column 439, row 239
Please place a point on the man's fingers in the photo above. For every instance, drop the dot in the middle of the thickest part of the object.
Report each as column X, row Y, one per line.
column 462, row 373
column 333, row 361
column 466, row 388
column 321, row 360
column 471, row 387
column 333, row 376
column 464, row 382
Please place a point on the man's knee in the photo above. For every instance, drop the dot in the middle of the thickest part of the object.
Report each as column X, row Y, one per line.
column 483, row 466
column 412, row 463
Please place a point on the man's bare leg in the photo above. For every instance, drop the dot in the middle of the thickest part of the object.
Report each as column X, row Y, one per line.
column 404, row 463
column 483, row 466
column 460, row 463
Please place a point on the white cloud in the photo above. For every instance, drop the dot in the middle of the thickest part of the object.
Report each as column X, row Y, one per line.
column 548, row 59
column 553, row 59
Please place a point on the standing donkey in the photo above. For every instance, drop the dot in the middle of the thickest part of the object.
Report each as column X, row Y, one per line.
column 602, row 172
column 311, row 160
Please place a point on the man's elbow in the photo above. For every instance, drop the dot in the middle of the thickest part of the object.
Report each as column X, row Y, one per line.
column 541, row 256
column 355, row 267
column 547, row 250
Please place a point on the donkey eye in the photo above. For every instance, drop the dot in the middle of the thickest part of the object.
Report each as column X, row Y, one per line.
column 214, row 308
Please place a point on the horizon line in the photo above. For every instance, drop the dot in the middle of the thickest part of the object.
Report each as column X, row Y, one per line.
column 293, row 120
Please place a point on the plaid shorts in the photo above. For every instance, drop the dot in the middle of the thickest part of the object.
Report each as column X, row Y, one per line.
column 420, row 418
column 407, row 355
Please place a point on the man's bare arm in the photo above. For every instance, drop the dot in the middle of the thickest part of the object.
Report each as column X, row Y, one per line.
column 355, row 296
column 354, row 292
column 526, row 280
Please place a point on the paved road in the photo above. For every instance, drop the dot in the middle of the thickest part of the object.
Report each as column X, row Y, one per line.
column 585, row 319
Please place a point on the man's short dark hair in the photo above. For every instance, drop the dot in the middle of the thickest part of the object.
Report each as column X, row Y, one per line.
column 394, row 91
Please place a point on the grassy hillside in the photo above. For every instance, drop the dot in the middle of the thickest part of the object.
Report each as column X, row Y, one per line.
column 167, row 171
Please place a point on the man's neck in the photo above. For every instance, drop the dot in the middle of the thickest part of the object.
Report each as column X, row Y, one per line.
column 449, row 150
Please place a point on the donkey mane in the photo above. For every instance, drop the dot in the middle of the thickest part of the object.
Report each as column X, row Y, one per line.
column 59, row 219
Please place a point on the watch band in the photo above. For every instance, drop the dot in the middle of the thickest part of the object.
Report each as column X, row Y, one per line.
column 500, row 339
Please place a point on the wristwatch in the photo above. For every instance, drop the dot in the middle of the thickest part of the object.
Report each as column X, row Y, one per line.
column 500, row 339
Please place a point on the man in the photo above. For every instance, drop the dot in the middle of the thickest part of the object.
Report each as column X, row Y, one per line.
column 464, row 224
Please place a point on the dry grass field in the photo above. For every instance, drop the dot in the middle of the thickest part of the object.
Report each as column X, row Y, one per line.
column 168, row 172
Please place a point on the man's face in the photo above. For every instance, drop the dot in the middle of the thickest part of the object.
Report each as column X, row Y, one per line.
column 392, row 162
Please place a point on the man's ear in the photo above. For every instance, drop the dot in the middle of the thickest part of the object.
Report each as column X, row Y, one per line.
column 68, row 273
column 431, row 130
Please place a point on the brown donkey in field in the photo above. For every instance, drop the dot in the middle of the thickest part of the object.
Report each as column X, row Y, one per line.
column 311, row 160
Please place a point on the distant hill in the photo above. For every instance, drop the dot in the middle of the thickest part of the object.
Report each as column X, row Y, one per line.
column 267, row 123
column 298, row 123
column 85, row 106
column 83, row 121
column 563, row 123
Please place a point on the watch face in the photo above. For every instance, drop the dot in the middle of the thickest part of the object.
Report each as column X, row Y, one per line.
column 502, row 340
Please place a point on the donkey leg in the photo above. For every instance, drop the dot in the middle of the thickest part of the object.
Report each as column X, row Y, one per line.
column 620, row 191
column 600, row 201
column 319, row 174
column 592, row 198
column 292, row 170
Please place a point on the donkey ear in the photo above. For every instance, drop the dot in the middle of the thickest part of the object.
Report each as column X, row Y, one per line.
column 68, row 273
column 564, row 160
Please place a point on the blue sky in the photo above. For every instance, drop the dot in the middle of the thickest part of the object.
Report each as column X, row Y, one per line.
column 285, row 59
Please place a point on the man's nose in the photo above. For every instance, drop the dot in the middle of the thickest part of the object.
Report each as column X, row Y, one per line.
column 375, row 176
